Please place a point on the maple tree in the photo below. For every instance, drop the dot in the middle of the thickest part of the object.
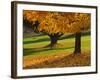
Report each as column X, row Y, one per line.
column 45, row 22
column 55, row 24
column 67, row 23
column 80, row 22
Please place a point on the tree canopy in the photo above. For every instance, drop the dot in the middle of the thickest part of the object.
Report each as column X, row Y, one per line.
column 54, row 24
column 58, row 22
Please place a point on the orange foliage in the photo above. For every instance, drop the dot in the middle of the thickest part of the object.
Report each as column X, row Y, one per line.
column 58, row 22
column 57, row 60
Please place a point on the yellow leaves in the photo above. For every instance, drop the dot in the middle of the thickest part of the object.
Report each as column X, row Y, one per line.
column 57, row 60
column 80, row 22
column 58, row 22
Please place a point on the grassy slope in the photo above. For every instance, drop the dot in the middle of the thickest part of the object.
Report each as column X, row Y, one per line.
column 35, row 56
column 34, row 45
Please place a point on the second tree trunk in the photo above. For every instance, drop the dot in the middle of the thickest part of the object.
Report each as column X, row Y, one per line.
column 77, row 43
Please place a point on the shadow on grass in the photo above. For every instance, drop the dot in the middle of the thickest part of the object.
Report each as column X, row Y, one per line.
column 34, row 51
column 35, row 41
column 60, row 38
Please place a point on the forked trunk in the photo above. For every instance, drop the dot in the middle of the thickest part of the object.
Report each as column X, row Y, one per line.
column 54, row 39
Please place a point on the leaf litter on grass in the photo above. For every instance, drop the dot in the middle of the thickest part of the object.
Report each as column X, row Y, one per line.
column 66, row 59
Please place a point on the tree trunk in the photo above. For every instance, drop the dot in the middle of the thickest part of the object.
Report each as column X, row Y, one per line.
column 77, row 43
column 53, row 39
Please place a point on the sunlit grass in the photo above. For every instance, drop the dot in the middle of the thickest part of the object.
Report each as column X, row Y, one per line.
column 38, row 56
column 34, row 46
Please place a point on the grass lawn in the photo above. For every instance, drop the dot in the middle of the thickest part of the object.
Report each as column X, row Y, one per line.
column 36, row 56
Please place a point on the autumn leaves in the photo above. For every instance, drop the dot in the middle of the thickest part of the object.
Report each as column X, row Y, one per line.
column 55, row 24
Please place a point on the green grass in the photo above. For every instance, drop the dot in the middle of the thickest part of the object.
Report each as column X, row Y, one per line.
column 34, row 46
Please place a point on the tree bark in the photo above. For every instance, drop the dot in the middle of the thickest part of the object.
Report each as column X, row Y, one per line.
column 54, row 39
column 77, row 43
